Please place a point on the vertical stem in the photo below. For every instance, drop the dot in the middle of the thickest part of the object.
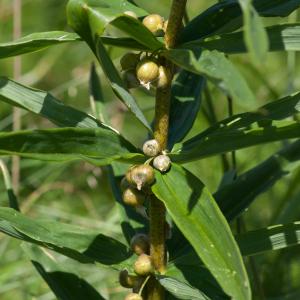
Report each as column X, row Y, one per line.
column 17, row 68
column 157, row 209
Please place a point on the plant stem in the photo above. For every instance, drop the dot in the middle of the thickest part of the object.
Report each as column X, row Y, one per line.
column 157, row 209
column 17, row 9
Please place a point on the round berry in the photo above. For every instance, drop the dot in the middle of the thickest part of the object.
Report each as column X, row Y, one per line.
column 164, row 78
column 143, row 265
column 162, row 163
column 147, row 71
column 129, row 61
column 151, row 148
column 133, row 197
column 139, row 244
column 154, row 23
column 133, row 296
column 142, row 175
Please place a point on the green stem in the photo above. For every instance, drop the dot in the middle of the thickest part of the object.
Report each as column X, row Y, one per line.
column 157, row 209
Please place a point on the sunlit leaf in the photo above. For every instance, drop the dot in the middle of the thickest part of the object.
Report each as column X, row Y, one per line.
column 194, row 211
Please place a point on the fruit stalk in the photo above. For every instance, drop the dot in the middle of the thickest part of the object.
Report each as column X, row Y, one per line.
column 161, row 127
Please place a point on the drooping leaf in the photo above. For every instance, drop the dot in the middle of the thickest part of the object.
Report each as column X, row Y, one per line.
column 123, row 42
column 185, row 104
column 117, row 84
column 35, row 42
column 269, row 239
column 188, row 268
column 42, row 40
column 218, row 69
column 226, row 16
column 44, row 104
column 234, row 198
column 64, row 284
column 12, row 199
column 284, row 37
column 264, row 115
column 231, row 140
column 99, row 146
column 96, row 96
column 84, row 245
column 255, row 35
column 194, row 211
column 181, row 290
column 89, row 19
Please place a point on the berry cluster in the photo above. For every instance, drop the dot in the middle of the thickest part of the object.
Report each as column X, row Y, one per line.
column 140, row 69
column 136, row 189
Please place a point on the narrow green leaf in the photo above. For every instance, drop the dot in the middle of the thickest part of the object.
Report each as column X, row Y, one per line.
column 185, row 104
column 12, row 199
column 226, row 16
column 284, row 37
column 181, row 290
column 117, row 83
column 218, row 69
column 255, row 35
column 65, row 285
column 188, row 268
column 84, row 245
column 194, row 211
column 44, row 104
column 98, row 146
column 234, row 198
column 89, row 19
column 123, row 42
column 96, row 96
column 35, row 42
column 232, row 140
column 264, row 115
column 268, row 239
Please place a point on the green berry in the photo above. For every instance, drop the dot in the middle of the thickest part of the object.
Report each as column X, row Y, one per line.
column 151, row 148
column 133, row 197
column 154, row 23
column 143, row 265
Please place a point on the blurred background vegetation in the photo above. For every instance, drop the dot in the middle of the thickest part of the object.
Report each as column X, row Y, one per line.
column 79, row 193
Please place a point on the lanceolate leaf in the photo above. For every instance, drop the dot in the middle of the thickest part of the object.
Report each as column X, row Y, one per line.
column 285, row 37
column 35, row 42
column 233, row 140
column 42, row 40
column 234, row 198
column 254, row 32
column 83, row 245
column 270, row 238
column 273, row 111
column 65, row 285
column 89, row 19
column 44, row 104
column 185, row 104
column 194, row 211
column 226, row 16
column 181, row 290
column 217, row 68
column 117, row 83
column 98, row 146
